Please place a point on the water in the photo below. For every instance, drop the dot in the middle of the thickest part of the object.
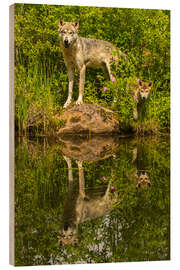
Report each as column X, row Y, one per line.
column 89, row 201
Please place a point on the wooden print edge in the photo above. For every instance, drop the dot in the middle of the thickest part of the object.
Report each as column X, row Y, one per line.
column 11, row 134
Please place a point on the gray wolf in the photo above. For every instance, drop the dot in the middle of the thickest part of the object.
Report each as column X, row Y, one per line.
column 80, row 208
column 81, row 53
column 139, row 91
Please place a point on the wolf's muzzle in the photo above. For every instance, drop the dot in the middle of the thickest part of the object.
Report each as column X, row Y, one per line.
column 66, row 43
column 66, row 226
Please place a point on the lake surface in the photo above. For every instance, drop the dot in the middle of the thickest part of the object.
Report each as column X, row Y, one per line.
column 102, row 199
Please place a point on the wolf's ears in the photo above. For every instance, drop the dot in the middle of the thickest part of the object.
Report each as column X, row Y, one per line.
column 61, row 23
column 140, row 82
column 76, row 25
column 150, row 83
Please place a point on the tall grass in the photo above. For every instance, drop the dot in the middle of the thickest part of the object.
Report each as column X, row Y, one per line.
column 37, row 97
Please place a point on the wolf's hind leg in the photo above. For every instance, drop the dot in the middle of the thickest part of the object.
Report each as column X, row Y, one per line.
column 105, row 71
column 81, row 178
column 111, row 77
column 109, row 70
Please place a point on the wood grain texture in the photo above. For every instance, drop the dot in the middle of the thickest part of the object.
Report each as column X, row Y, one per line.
column 11, row 135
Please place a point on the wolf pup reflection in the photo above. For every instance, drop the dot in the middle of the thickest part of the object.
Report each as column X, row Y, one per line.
column 140, row 176
column 81, row 53
column 143, row 180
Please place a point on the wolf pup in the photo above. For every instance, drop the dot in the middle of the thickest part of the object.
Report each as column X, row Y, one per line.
column 81, row 53
column 140, row 92
column 144, row 180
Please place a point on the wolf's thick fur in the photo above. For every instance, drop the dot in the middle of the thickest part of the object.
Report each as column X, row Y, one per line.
column 81, row 53
column 139, row 91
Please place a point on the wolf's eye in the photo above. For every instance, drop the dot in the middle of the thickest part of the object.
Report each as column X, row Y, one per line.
column 70, row 33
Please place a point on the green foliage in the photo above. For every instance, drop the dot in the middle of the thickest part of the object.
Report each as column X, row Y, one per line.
column 41, row 76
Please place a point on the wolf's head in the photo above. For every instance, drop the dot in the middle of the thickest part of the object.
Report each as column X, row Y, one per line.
column 144, row 89
column 68, row 235
column 68, row 32
column 144, row 180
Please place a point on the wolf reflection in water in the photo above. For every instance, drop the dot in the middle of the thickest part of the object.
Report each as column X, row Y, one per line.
column 81, row 207
column 108, row 224
column 84, row 207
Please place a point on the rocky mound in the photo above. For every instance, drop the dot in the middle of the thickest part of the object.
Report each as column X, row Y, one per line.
column 89, row 119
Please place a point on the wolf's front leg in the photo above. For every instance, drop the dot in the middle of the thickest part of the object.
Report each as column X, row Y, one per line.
column 81, row 85
column 70, row 86
column 135, row 113
column 134, row 154
column 69, row 163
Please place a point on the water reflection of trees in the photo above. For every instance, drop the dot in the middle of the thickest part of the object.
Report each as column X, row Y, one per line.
column 136, row 229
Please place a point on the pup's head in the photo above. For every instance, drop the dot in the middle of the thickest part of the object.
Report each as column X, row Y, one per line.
column 68, row 32
column 68, row 235
column 144, row 89
column 144, row 180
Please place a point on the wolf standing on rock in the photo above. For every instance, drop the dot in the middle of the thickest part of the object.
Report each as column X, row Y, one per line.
column 82, row 52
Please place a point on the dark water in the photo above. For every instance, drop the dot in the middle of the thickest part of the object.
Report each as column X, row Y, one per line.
column 89, row 201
